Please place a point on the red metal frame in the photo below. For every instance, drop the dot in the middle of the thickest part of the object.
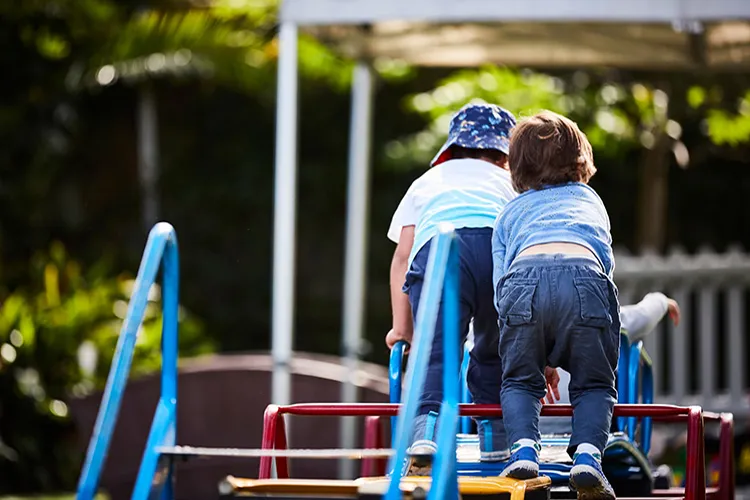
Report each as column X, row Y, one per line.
column 726, row 454
column 274, row 435
column 373, row 439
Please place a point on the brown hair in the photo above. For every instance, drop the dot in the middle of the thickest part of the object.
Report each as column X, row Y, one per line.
column 492, row 155
column 549, row 149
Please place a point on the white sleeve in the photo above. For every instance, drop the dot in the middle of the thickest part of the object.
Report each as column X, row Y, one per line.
column 405, row 215
column 640, row 319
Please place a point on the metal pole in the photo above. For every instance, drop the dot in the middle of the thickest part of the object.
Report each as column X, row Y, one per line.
column 284, row 214
column 356, row 245
column 148, row 155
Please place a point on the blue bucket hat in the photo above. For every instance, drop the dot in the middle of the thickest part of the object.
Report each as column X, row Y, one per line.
column 478, row 126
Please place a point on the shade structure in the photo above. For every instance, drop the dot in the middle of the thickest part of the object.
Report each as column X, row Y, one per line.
column 651, row 34
column 661, row 35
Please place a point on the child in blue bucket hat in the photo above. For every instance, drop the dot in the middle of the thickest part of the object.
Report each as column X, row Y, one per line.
column 467, row 186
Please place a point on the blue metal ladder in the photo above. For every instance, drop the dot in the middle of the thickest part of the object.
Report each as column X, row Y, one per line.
column 441, row 280
column 161, row 252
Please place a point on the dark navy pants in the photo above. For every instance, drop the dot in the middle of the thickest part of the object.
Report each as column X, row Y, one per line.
column 560, row 311
column 477, row 304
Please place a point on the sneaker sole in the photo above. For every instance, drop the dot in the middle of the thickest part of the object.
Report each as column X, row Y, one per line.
column 522, row 469
column 586, row 480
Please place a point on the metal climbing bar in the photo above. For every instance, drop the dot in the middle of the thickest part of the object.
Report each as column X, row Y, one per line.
column 161, row 251
column 465, row 422
column 394, row 378
column 424, row 331
column 445, row 473
column 274, row 435
column 623, row 366
column 640, row 372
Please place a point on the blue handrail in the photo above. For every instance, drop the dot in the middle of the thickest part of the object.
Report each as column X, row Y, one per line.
column 420, row 351
column 445, row 474
column 640, row 370
column 161, row 249
column 623, row 367
column 465, row 423
column 394, row 378
column 395, row 372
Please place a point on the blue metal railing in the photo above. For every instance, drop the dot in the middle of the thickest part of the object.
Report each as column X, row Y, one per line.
column 394, row 376
column 441, row 268
column 640, row 369
column 395, row 368
column 465, row 424
column 445, row 474
column 623, row 367
column 161, row 250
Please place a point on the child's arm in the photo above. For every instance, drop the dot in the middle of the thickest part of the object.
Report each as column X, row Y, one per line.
column 640, row 319
column 403, row 327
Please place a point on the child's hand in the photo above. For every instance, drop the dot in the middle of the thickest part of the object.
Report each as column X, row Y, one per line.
column 673, row 309
column 393, row 336
column 553, row 380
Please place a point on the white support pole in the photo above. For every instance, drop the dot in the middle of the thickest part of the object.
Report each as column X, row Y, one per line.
column 356, row 246
column 284, row 215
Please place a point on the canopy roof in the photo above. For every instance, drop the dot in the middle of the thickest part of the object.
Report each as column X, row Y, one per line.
column 638, row 34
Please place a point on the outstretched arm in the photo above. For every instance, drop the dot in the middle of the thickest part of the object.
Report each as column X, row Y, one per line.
column 640, row 319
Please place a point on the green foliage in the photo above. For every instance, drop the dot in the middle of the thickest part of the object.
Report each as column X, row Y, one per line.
column 523, row 92
column 228, row 42
column 57, row 339
column 617, row 116
column 730, row 128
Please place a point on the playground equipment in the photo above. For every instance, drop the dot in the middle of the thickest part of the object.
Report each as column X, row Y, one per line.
column 457, row 473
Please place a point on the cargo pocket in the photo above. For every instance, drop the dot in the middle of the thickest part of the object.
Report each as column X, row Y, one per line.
column 515, row 305
column 593, row 295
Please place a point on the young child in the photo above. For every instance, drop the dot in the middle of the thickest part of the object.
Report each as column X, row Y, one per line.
column 556, row 301
column 468, row 185
column 637, row 321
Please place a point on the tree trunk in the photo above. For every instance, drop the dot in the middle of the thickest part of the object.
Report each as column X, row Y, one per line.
column 653, row 191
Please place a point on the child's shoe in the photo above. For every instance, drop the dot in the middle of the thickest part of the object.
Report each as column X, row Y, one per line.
column 587, row 477
column 421, row 455
column 524, row 460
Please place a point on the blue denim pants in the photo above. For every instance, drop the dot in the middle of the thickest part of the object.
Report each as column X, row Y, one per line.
column 476, row 303
column 560, row 311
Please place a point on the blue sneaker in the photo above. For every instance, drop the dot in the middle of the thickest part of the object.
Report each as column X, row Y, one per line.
column 588, row 479
column 524, row 460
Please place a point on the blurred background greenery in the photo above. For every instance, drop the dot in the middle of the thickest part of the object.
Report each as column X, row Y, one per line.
column 672, row 152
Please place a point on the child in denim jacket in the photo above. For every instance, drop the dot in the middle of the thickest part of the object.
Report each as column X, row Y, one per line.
column 555, row 298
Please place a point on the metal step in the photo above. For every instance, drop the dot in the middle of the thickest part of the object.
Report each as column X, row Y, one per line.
column 413, row 488
column 331, row 453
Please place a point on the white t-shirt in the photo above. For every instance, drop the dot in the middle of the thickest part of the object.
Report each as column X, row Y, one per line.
column 465, row 192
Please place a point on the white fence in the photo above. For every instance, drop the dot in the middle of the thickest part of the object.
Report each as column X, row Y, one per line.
column 704, row 360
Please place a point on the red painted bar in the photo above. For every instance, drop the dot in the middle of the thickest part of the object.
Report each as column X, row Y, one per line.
column 373, row 439
column 270, row 417
column 474, row 410
column 695, row 467
column 274, row 436
column 282, row 463
column 726, row 455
